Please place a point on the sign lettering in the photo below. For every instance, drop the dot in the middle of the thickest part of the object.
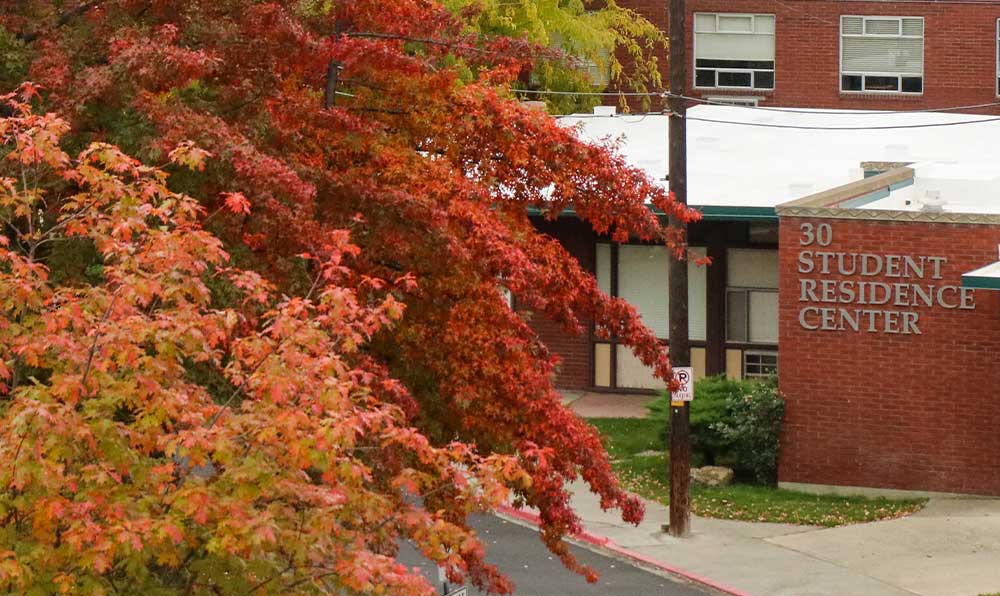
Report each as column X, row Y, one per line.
column 873, row 293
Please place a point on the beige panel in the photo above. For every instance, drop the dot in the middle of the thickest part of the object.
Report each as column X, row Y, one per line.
column 698, row 362
column 734, row 364
column 633, row 374
column 602, row 365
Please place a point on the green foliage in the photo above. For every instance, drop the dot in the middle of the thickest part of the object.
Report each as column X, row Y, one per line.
column 589, row 37
column 753, row 427
column 74, row 261
column 14, row 60
column 732, row 422
column 708, row 409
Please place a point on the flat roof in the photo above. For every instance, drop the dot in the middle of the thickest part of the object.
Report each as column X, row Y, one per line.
column 744, row 161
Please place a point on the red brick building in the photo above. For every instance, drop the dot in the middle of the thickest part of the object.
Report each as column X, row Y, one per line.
column 843, row 54
column 889, row 356
column 827, row 253
column 868, row 275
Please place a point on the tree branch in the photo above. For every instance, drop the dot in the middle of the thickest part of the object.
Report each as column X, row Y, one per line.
column 97, row 336
column 332, row 74
column 63, row 19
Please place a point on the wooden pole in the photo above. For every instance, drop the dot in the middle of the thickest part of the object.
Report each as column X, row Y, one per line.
column 680, row 348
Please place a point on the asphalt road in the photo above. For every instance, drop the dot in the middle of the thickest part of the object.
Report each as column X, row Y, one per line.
column 518, row 552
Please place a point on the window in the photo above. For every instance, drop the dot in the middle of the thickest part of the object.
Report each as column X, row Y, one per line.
column 641, row 278
column 758, row 364
column 642, row 281
column 734, row 50
column 882, row 54
column 597, row 67
column 599, row 71
column 752, row 296
column 998, row 56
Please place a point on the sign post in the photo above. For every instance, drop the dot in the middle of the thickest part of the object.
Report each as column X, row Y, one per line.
column 446, row 590
column 443, row 580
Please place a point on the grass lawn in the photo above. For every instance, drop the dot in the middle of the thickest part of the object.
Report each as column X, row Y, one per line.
column 647, row 475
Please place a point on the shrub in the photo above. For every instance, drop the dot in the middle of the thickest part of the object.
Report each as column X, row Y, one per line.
column 707, row 410
column 737, row 422
column 753, row 428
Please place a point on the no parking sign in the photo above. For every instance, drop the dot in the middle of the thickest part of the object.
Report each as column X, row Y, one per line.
column 685, row 392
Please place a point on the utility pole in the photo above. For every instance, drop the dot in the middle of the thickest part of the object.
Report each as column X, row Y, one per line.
column 680, row 348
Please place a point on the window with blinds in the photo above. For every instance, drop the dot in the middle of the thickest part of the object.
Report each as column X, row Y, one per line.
column 734, row 50
column 752, row 296
column 882, row 54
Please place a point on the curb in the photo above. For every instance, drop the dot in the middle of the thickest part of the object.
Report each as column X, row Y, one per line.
column 608, row 544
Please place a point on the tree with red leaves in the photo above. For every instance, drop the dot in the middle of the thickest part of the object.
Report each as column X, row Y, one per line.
column 393, row 123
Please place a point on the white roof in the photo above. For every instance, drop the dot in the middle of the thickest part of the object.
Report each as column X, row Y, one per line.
column 758, row 164
column 962, row 188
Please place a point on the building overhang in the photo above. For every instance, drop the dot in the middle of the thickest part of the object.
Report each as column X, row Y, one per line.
column 736, row 213
column 984, row 278
column 708, row 213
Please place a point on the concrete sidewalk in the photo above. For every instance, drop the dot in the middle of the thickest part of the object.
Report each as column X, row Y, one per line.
column 951, row 548
column 594, row 404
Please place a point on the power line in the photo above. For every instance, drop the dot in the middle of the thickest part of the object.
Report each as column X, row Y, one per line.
column 637, row 117
column 641, row 117
column 593, row 93
column 667, row 94
column 801, row 127
column 841, row 112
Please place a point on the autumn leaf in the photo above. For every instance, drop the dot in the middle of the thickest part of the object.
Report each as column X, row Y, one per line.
column 236, row 203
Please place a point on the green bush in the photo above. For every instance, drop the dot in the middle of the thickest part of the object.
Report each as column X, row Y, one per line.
column 736, row 423
column 753, row 428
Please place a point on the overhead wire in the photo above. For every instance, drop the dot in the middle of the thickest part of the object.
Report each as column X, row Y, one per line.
column 706, row 101
column 667, row 95
column 855, row 128
column 642, row 117
column 593, row 93
column 702, row 100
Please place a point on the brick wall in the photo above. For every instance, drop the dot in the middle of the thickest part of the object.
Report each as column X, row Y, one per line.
column 960, row 62
column 574, row 373
column 893, row 410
